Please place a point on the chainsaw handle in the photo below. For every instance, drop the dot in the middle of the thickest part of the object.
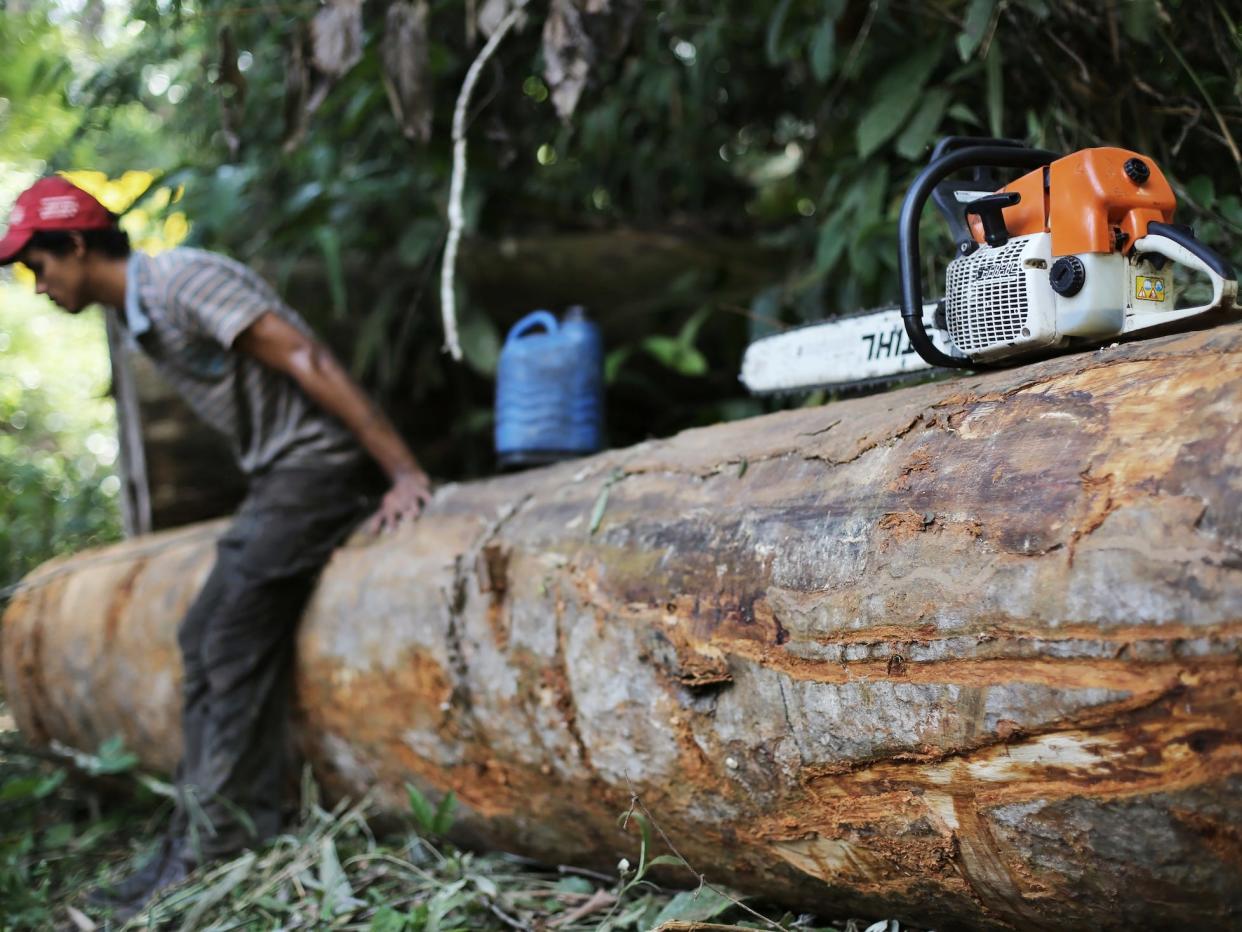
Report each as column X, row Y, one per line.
column 994, row 156
column 1211, row 259
column 1176, row 244
column 953, row 143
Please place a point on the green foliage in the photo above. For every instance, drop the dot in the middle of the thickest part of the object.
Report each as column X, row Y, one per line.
column 54, row 838
column 64, row 831
column 695, row 906
column 48, row 72
column 639, row 904
column 601, row 500
column 978, row 19
column 57, row 440
column 34, row 115
column 896, row 97
column 112, row 758
column 796, row 125
column 433, row 820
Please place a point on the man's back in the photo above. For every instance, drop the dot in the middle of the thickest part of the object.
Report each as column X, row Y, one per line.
column 186, row 308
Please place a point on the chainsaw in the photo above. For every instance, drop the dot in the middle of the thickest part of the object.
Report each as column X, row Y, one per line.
column 1077, row 252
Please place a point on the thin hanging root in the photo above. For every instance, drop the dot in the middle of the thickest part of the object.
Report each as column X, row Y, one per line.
column 457, row 185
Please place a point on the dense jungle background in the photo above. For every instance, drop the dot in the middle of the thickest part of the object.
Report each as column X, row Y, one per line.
column 695, row 174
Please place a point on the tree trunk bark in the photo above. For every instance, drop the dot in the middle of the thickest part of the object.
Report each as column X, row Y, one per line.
column 966, row 653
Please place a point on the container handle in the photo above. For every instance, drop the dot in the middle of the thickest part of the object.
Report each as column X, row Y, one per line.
column 530, row 322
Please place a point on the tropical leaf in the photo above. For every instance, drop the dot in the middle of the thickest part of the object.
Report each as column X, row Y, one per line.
column 894, row 99
column 420, row 806
column 442, row 821
column 695, row 906
column 922, row 128
column 330, row 247
column 823, row 51
column 993, row 66
column 676, row 355
column 773, row 47
column 978, row 17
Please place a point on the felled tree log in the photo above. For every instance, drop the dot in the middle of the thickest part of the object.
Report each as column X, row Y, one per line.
column 966, row 653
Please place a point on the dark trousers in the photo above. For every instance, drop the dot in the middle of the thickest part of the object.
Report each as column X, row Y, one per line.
column 237, row 648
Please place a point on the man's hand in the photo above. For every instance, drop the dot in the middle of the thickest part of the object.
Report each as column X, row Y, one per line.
column 410, row 493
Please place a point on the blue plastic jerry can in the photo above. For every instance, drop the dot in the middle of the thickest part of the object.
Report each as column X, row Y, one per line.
column 550, row 390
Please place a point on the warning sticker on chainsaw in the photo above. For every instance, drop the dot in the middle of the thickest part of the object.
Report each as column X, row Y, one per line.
column 1149, row 288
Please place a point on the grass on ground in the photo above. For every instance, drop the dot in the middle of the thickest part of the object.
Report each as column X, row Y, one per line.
column 70, row 821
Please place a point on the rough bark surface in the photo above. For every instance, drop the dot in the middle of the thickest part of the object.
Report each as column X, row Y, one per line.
column 966, row 652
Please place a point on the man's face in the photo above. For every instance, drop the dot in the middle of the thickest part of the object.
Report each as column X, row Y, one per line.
column 61, row 278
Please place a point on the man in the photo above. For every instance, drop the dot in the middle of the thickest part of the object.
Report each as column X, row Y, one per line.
column 301, row 430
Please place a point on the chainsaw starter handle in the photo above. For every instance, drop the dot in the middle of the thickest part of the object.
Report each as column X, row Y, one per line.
column 991, row 156
column 989, row 209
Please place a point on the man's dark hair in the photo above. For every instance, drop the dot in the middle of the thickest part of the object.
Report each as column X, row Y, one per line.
column 112, row 242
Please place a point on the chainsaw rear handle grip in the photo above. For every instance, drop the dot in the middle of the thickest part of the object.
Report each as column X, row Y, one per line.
column 993, row 156
column 1185, row 250
column 1184, row 238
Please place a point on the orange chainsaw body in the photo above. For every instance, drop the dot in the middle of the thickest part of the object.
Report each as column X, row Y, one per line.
column 1084, row 200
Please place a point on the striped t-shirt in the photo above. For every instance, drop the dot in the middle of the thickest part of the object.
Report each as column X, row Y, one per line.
column 185, row 308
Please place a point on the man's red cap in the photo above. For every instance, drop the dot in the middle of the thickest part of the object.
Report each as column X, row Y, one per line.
column 51, row 204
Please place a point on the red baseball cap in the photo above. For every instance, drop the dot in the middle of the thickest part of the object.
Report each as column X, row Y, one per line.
column 51, row 204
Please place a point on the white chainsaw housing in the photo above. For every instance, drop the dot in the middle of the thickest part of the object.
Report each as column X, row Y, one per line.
column 996, row 300
column 999, row 303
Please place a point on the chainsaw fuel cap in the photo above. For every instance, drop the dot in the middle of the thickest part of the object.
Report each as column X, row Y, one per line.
column 1067, row 276
column 1136, row 170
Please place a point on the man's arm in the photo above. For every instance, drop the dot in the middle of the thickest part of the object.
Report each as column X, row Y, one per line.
column 279, row 345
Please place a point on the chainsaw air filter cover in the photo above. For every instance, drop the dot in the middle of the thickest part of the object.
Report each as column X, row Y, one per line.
column 1000, row 301
column 997, row 298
